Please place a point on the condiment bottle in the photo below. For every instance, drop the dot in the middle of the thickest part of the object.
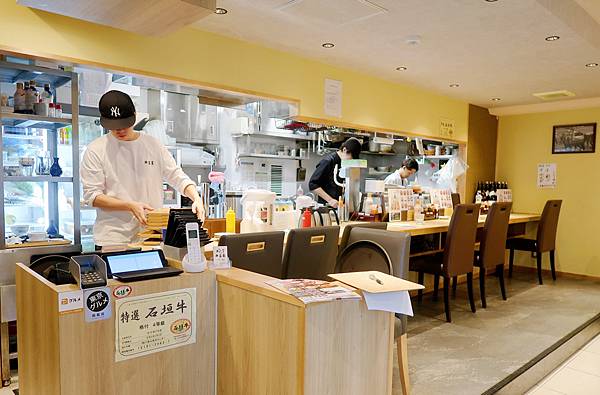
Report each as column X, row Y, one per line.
column 306, row 218
column 230, row 221
column 31, row 97
column 19, row 98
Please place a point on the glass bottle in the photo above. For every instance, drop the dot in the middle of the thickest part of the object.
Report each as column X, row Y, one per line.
column 19, row 98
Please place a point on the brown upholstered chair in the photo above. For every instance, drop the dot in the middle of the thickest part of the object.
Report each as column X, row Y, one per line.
column 491, row 247
column 258, row 252
column 457, row 257
column 455, row 199
column 545, row 240
column 311, row 252
column 348, row 228
column 361, row 255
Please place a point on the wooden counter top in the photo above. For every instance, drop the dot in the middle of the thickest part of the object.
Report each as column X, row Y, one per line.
column 441, row 225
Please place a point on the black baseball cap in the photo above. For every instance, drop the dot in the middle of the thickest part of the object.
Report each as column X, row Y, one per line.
column 117, row 110
column 353, row 146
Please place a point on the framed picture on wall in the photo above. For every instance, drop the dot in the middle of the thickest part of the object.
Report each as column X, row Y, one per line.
column 574, row 139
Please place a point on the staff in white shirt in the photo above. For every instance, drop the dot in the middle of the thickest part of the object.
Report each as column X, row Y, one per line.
column 122, row 174
column 400, row 176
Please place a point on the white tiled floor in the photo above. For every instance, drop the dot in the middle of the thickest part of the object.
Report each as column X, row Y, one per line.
column 580, row 375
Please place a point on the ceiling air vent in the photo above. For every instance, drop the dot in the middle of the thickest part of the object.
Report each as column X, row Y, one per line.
column 555, row 95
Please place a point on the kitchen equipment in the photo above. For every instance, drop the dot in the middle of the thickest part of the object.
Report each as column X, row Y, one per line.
column 384, row 169
column 233, row 201
column 373, row 146
column 19, row 229
column 37, row 236
column 27, row 164
column 387, row 148
column 350, row 172
column 257, row 210
column 327, row 215
column 438, row 150
column 41, row 109
column 300, row 173
column 13, row 170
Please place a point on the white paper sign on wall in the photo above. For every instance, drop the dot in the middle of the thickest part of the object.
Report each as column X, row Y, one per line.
column 447, row 127
column 333, row 98
column 546, row 175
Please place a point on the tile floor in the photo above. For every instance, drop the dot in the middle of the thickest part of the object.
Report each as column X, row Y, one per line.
column 476, row 351
column 580, row 375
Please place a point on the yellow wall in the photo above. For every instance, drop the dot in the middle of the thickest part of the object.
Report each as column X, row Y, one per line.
column 204, row 57
column 526, row 140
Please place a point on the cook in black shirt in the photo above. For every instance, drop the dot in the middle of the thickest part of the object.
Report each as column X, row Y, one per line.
column 322, row 183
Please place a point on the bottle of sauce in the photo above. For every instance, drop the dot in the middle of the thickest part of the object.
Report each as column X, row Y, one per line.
column 230, row 221
column 19, row 98
column 306, row 218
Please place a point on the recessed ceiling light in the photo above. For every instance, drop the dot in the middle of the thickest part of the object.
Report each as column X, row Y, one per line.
column 552, row 38
column 491, row 1
column 454, row 85
column 401, row 68
column 496, row 99
column 328, row 45
column 591, row 65
column 220, row 11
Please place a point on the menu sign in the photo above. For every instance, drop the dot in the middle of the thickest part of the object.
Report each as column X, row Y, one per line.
column 399, row 200
column 155, row 322
column 442, row 198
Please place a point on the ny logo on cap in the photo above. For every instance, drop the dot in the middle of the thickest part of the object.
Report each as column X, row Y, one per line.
column 114, row 112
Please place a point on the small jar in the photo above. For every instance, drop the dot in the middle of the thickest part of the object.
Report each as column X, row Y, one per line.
column 58, row 111
column 51, row 110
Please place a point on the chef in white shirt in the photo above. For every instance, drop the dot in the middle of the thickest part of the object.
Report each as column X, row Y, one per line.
column 400, row 176
column 122, row 174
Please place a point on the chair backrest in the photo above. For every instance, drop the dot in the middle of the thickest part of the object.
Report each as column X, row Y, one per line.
column 364, row 255
column 311, row 252
column 455, row 199
column 258, row 252
column 395, row 244
column 348, row 228
column 493, row 238
column 546, row 232
column 460, row 240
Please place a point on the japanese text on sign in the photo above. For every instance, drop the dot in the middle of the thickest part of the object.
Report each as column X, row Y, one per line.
column 156, row 322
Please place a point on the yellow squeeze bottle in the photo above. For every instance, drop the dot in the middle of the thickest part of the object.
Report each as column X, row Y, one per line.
column 230, row 221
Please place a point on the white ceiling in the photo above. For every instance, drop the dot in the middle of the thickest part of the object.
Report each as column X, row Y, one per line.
column 492, row 49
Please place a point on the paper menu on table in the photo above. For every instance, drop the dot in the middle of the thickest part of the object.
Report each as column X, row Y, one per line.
column 367, row 281
column 311, row 291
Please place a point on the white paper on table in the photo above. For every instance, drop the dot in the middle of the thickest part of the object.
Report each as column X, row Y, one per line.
column 394, row 302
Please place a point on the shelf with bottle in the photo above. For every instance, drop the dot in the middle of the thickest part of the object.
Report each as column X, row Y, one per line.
column 43, row 178
column 487, row 191
column 32, row 121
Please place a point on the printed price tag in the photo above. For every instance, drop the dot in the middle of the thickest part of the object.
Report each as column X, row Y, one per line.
column 220, row 258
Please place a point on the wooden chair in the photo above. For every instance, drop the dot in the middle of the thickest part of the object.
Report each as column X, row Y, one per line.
column 361, row 255
column 491, row 247
column 545, row 240
column 455, row 199
column 457, row 257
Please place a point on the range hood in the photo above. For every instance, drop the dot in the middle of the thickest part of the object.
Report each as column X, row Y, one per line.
column 151, row 18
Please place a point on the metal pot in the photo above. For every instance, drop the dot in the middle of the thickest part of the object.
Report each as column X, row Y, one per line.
column 373, row 146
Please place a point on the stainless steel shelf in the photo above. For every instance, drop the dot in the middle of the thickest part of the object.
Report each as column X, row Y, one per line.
column 12, row 72
column 434, row 156
column 379, row 153
column 288, row 136
column 33, row 121
column 37, row 179
column 269, row 156
column 379, row 173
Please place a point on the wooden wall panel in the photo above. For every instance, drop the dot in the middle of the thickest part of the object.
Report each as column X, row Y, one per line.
column 481, row 151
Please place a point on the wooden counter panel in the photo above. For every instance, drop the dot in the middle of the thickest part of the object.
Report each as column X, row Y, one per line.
column 165, row 372
column 260, row 343
column 38, row 340
column 343, row 358
column 255, row 282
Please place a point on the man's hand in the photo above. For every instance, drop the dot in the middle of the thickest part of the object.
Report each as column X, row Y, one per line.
column 198, row 209
column 333, row 203
column 138, row 210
